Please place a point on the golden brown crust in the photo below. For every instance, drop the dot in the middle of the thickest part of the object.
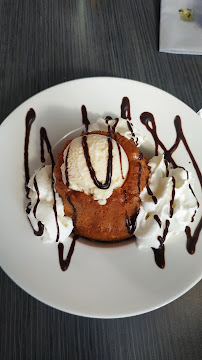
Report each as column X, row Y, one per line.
column 105, row 222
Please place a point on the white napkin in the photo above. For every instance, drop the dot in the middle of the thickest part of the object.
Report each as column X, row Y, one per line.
column 179, row 36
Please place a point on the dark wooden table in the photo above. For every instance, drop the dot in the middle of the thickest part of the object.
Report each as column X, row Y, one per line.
column 46, row 42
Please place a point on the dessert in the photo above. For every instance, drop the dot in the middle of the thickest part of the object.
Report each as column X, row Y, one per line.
column 99, row 213
column 102, row 187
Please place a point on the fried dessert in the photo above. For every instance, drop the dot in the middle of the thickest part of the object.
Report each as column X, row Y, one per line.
column 98, row 217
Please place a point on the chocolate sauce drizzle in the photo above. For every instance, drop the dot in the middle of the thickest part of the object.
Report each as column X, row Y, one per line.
column 44, row 139
column 125, row 114
column 192, row 219
column 125, row 196
column 140, row 155
column 165, row 232
column 64, row 263
column 151, row 194
column 156, row 217
column 125, row 109
column 115, row 125
column 28, row 208
column 166, row 165
column 192, row 239
column 66, row 168
column 30, row 117
column 74, row 211
column 159, row 256
column 139, row 176
column 173, row 197
column 85, row 120
column 180, row 136
column 107, row 183
column 115, row 138
column 131, row 221
column 148, row 120
column 40, row 230
column 118, row 145
column 130, row 129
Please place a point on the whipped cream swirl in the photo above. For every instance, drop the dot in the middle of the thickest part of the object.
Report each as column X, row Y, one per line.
column 44, row 212
column 171, row 206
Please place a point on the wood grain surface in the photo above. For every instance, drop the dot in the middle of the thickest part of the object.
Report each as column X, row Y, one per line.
column 46, row 42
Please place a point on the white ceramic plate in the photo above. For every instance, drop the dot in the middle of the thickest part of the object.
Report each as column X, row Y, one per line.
column 102, row 281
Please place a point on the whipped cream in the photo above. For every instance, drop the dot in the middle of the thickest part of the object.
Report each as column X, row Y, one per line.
column 175, row 203
column 122, row 128
column 44, row 211
column 78, row 172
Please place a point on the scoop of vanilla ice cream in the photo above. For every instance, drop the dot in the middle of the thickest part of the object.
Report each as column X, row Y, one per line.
column 78, row 172
column 45, row 212
column 121, row 127
column 184, row 203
